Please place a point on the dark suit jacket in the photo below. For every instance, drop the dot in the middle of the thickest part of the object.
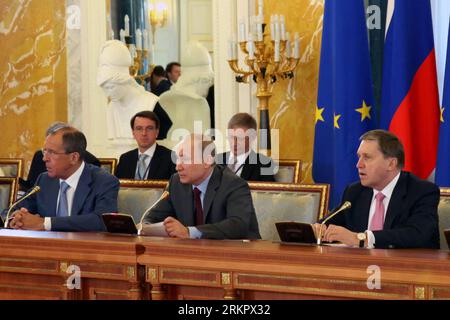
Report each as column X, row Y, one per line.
column 411, row 219
column 38, row 166
column 255, row 168
column 227, row 207
column 162, row 87
column 96, row 194
column 161, row 165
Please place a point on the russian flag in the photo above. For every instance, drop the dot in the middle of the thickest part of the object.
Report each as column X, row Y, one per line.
column 410, row 99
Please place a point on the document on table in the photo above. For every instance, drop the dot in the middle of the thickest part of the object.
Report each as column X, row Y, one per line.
column 153, row 230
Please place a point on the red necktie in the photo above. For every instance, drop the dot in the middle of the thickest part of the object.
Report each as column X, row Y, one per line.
column 198, row 207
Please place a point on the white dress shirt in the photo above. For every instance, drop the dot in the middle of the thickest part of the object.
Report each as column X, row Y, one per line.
column 240, row 161
column 72, row 181
column 387, row 191
column 150, row 152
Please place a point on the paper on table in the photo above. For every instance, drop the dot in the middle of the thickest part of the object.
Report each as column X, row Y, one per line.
column 154, row 230
column 336, row 245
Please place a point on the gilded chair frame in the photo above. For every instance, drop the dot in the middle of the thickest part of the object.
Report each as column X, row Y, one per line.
column 13, row 161
column 150, row 184
column 109, row 162
column 297, row 164
column 12, row 182
column 322, row 189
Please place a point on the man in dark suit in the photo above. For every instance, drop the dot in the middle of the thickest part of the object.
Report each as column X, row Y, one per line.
column 159, row 82
column 205, row 200
column 390, row 208
column 242, row 160
column 38, row 165
column 73, row 194
column 149, row 160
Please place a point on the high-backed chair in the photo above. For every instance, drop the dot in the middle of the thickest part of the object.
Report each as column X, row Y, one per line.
column 289, row 171
column 108, row 164
column 136, row 196
column 277, row 202
column 8, row 192
column 444, row 216
column 11, row 167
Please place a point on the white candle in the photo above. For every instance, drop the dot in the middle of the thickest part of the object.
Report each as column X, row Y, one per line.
column 277, row 28
column 242, row 32
column 112, row 35
column 261, row 8
column 127, row 26
column 283, row 28
column 230, row 50
column 145, row 36
column 277, row 51
column 250, row 47
column 260, row 32
column 139, row 39
column 122, row 35
column 297, row 46
column 133, row 51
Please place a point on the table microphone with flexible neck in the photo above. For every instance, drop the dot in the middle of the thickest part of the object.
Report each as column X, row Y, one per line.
column 346, row 205
column 36, row 189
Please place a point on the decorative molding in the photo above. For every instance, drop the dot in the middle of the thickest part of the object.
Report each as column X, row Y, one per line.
column 226, row 278
column 419, row 293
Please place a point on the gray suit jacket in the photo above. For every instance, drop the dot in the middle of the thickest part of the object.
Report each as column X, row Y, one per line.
column 96, row 194
column 227, row 207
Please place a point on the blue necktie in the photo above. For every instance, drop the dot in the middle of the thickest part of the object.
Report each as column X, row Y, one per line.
column 63, row 207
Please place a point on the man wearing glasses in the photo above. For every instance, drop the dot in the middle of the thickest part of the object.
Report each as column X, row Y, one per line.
column 242, row 159
column 149, row 161
column 73, row 194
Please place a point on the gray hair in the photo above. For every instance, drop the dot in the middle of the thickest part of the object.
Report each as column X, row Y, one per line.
column 55, row 127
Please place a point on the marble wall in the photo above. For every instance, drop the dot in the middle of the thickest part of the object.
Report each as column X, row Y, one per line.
column 33, row 85
column 292, row 107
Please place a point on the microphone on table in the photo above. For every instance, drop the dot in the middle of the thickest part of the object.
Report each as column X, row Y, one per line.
column 346, row 205
column 36, row 189
column 164, row 196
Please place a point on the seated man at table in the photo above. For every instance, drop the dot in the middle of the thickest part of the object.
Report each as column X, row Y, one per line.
column 205, row 200
column 73, row 194
column 38, row 165
column 149, row 161
column 390, row 208
column 242, row 159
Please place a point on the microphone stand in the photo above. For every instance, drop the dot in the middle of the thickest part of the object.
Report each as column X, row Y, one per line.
column 36, row 189
column 345, row 206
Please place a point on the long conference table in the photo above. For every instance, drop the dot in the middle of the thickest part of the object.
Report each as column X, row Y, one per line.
column 75, row 266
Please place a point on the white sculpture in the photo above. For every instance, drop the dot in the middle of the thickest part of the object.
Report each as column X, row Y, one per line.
column 185, row 102
column 126, row 96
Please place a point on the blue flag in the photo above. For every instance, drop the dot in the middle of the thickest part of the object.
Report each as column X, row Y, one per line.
column 443, row 159
column 345, row 100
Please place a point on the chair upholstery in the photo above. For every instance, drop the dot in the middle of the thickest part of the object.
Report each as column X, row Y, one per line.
column 108, row 164
column 8, row 191
column 289, row 171
column 287, row 202
column 11, row 167
column 137, row 196
column 444, row 216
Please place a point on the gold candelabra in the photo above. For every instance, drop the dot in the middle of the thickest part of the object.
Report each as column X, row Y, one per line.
column 138, row 64
column 158, row 16
column 266, row 62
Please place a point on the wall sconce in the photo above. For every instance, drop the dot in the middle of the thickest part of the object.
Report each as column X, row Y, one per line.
column 158, row 15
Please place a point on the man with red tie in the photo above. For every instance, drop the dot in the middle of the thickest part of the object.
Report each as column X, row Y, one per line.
column 390, row 208
column 205, row 200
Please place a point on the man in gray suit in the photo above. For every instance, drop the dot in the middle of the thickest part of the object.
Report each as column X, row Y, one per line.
column 205, row 200
column 73, row 194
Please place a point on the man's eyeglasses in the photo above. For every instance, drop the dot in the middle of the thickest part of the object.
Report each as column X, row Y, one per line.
column 51, row 153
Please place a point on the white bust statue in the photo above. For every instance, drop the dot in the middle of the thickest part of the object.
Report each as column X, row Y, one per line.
column 126, row 96
column 185, row 102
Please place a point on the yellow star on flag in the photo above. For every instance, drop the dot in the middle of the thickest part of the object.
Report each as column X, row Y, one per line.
column 365, row 111
column 319, row 114
column 336, row 121
column 442, row 114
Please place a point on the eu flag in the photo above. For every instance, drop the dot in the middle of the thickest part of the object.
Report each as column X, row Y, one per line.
column 443, row 159
column 345, row 98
